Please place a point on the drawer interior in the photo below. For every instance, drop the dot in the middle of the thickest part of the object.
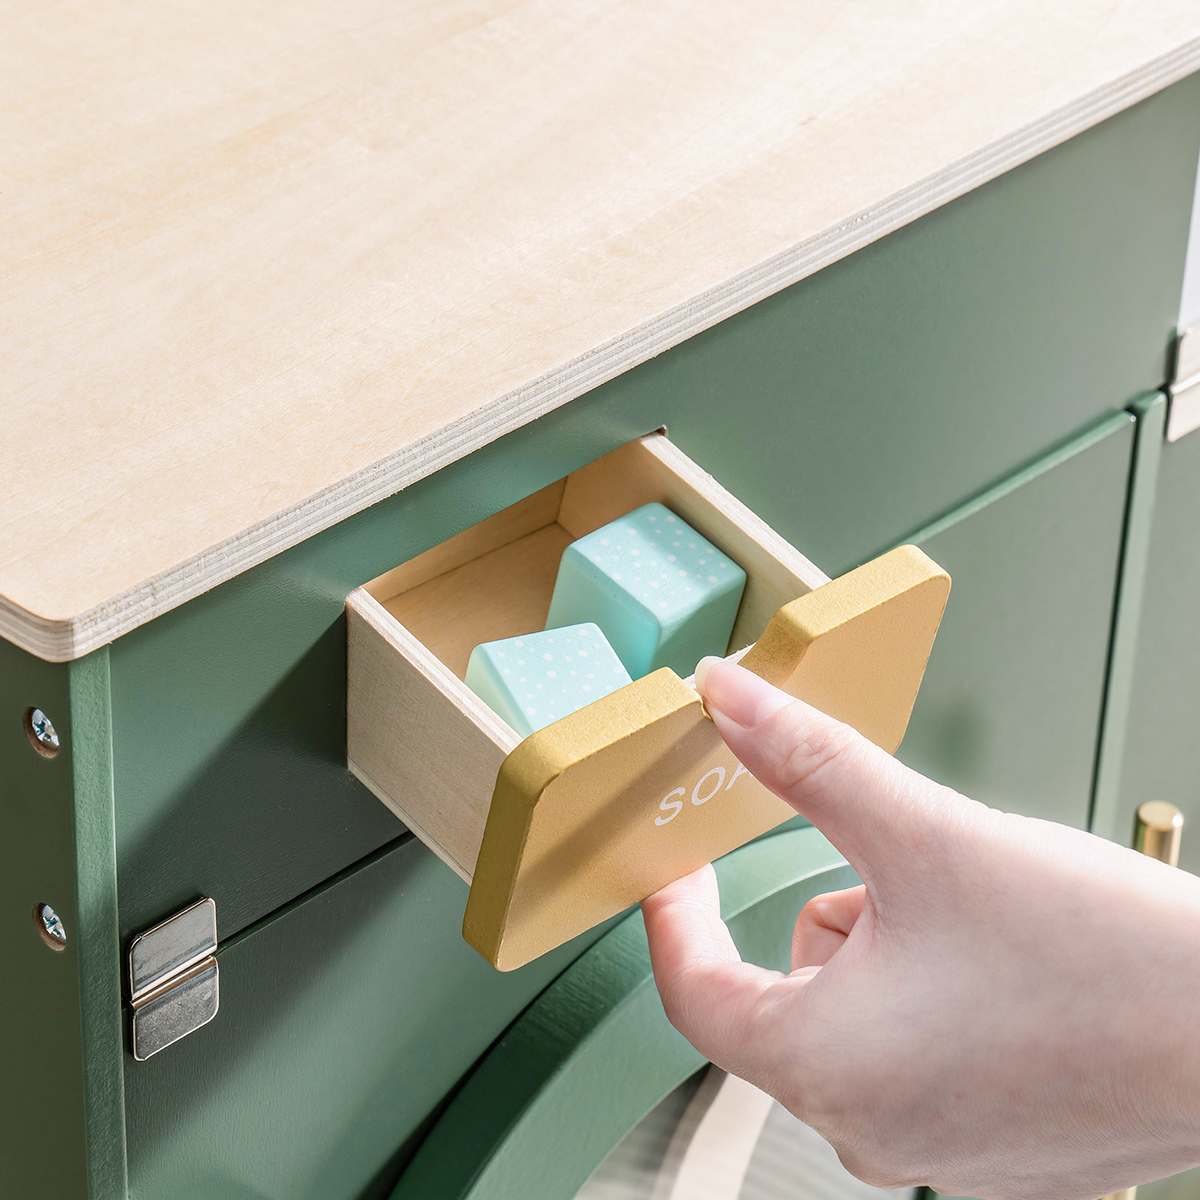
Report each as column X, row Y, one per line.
column 495, row 579
column 417, row 736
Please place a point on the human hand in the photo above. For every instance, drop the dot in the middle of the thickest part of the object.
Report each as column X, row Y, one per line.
column 1004, row 1009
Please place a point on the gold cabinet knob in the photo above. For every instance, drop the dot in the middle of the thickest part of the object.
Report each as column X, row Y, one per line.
column 1158, row 831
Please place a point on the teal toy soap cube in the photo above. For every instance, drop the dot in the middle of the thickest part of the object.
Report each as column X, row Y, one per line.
column 536, row 679
column 663, row 595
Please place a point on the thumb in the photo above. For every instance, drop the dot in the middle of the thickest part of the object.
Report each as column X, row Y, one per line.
column 871, row 807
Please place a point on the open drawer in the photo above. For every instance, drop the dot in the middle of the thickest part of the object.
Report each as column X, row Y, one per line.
column 568, row 826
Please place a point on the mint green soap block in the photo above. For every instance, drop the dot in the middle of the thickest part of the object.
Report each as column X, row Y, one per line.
column 538, row 678
column 663, row 595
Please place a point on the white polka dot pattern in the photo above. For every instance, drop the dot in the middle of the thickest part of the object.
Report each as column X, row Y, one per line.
column 658, row 559
column 538, row 678
column 662, row 594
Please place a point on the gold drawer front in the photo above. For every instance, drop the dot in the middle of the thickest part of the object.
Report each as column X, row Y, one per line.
column 560, row 830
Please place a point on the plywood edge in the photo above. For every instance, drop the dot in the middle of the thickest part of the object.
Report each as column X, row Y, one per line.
column 409, row 719
column 59, row 639
column 412, row 823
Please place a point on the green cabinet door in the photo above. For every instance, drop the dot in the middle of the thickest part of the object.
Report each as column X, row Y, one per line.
column 1161, row 759
column 1161, row 750
column 1010, row 707
column 345, row 1021
column 1184, row 1186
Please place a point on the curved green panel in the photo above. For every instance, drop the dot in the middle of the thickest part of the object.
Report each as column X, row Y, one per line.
column 594, row 1053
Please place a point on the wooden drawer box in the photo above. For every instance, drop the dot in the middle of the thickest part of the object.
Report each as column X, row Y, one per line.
column 562, row 829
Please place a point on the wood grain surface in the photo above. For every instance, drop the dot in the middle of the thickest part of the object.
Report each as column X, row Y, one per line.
column 265, row 264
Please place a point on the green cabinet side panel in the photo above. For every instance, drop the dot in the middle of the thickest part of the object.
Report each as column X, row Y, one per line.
column 61, row 1103
column 1184, row 1186
column 1162, row 746
column 62, row 1115
column 847, row 410
column 1009, row 709
column 344, row 1022
column 99, row 947
column 41, row 1038
column 594, row 1053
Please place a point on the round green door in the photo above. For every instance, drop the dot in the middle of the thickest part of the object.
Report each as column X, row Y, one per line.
column 592, row 1089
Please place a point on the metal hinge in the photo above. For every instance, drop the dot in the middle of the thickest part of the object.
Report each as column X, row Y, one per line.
column 1184, row 414
column 173, row 978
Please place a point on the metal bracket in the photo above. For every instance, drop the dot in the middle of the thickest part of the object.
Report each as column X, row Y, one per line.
column 173, row 978
column 1184, row 414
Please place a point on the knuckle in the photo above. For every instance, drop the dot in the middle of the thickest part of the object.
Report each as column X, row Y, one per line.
column 873, row 1167
column 819, row 910
column 808, row 754
column 679, row 1006
column 814, row 917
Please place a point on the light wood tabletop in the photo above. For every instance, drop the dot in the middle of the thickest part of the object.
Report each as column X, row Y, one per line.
column 267, row 263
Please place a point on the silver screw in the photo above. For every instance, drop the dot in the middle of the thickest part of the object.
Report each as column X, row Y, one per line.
column 43, row 737
column 50, row 927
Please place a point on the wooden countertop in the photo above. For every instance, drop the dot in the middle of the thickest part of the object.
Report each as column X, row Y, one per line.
column 267, row 263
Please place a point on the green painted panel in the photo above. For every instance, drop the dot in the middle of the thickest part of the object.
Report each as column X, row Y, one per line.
column 62, row 1109
column 229, row 728
column 1162, row 749
column 1010, row 706
column 42, row 1137
column 595, row 1052
column 1151, row 415
column 99, row 950
column 1185, row 1186
column 847, row 410
column 345, row 1021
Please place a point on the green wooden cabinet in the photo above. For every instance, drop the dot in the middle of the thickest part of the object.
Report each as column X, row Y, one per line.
column 353, row 1014
column 1185, row 1186
column 848, row 410
column 41, row 992
column 309, row 994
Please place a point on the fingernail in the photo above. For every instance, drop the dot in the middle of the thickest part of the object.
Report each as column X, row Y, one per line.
column 737, row 693
column 702, row 670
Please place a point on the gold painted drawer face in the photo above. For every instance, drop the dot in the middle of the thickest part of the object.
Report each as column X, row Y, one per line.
column 569, row 826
